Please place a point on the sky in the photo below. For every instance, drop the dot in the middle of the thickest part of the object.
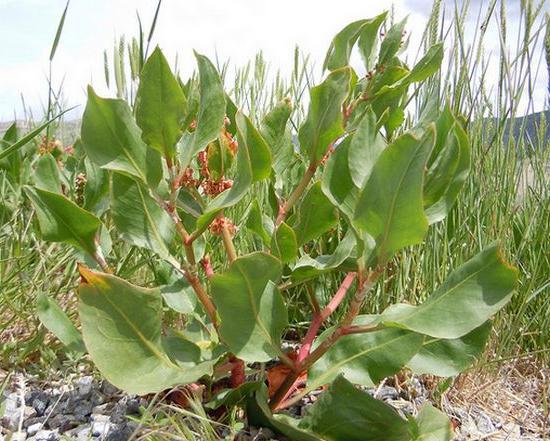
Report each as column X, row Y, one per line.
column 232, row 29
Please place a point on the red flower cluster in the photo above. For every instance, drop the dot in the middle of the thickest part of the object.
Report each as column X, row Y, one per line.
column 217, row 226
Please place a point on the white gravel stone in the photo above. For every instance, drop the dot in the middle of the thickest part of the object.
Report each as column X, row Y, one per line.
column 33, row 429
column 101, row 428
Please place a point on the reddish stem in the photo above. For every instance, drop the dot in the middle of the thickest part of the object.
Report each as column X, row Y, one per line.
column 318, row 319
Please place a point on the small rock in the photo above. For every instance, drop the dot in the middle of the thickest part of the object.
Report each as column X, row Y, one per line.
column 18, row 436
column 103, row 408
column 101, row 428
column 82, row 410
column 63, row 422
column 84, row 434
column 85, row 385
column 33, row 429
column 12, row 413
column 121, row 432
column 100, row 418
column 107, row 388
column 29, row 422
column 47, row 435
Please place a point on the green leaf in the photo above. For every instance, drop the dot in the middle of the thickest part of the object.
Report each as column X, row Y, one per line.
column 11, row 164
column 337, row 182
column 448, row 171
column 308, row 268
column 121, row 326
column 283, row 243
column 368, row 40
column 429, row 64
column 112, row 140
column 211, row 111
column 467, row 299
column 61, row 220
column 445, row 358
column 138, row 218
column 345, row 413
column 277, row 135
column 57, row 322
column 316, row 215
column 179, row 296
column 365, row 147
column 46, row 174
column 325, row 122
column 231, row 397
column 96, row 190
column 160, row 105
column 392, row 42
column 255, row 222
column 251, row 148
column 342, row 44
column 260, row 155
column 259, row 414
column 365, row 358
column 430, row 425
column 390, row 207
column 252, row 311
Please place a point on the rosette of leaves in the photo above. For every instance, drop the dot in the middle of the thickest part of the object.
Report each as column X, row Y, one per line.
column 365, row 181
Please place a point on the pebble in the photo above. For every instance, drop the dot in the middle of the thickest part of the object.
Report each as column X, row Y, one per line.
column 47, row 435
column 33, row 429
column 101, row 428
column 84, row 385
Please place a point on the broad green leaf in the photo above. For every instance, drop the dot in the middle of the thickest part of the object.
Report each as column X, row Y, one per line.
column 366, row 145
column 259, row 414
column 325, row 122
column 365, row 358
column 160, row 105
column 316, row 215
column 260, row 155
column 344, row 413
column 211, row 111
column 467, row 299
column 429, row 64
column 283, row 243
column 277, row 135
column 46, row 175
column 430, row 425
column 390, row 207
column 368, row 40
column 448, row 171
column 138, row 218
column 231, row 397
column 179, row 296
column 121, row 326
column 337, row 182
column 255, row 222
column 96, row 190
column 391, row 44
column 446, row 358
column 251, row 147
column 57, row 322
column 252, row 311
column 342, row 44
column 112, row 140
column 61, row 220
column 308, row 268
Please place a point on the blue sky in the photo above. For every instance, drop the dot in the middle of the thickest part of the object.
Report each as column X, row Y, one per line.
column 235, row 29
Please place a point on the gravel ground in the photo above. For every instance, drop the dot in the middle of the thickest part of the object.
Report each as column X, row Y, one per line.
column 86, row 409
